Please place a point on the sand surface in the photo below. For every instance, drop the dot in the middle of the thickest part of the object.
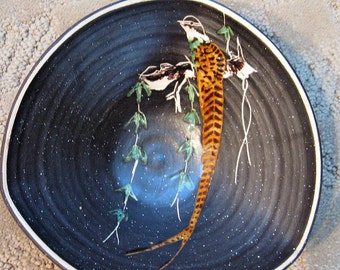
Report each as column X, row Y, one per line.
column 306, row 31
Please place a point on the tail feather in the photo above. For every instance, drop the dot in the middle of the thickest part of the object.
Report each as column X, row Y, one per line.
column 209, row 71
column 183, row 236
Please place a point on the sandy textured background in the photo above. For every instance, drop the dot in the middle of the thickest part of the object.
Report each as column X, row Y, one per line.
column 306, row 31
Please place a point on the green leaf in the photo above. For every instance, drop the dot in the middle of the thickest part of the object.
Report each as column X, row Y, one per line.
column 137, row 89
column 136, row 153
column 139, row 119
column 142, row 120
column 146, row 88
column 192, row 118
column 128, row 192
column 183, row 181
column 143, row 157
column 120, row 213
column 187, row 148
column 226, row 31
column 192, row 92
column 134, row 89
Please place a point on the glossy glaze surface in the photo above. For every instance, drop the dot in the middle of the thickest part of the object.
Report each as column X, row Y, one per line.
column 68, row 137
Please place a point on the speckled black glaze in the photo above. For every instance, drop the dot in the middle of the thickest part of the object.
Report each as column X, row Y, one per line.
column 63, row 151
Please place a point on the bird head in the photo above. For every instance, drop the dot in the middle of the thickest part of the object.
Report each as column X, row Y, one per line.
column 194, row 29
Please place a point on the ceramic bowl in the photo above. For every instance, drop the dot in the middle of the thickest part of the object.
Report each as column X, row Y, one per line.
column 66, row 136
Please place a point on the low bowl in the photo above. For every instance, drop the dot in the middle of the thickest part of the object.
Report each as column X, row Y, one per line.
column 66, row 137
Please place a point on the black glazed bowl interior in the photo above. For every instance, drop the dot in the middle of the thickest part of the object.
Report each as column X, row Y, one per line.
column 65, row 138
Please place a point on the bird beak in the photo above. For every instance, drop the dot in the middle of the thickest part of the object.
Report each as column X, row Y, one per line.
column 181, row 23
